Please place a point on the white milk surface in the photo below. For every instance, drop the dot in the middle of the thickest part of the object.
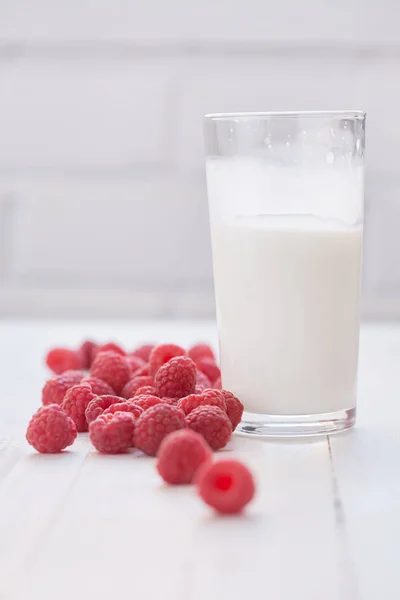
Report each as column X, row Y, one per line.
column 287, row 292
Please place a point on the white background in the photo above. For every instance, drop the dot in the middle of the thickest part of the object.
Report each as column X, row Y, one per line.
column 102, row 200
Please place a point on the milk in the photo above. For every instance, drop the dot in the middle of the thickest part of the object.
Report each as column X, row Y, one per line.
column 287, row 294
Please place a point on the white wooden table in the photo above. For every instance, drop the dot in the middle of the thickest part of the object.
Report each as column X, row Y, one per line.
column 325, row 524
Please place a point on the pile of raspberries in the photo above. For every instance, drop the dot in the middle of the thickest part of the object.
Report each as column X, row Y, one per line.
column 160, row 399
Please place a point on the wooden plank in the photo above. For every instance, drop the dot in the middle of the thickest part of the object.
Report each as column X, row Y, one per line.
column 120, row 529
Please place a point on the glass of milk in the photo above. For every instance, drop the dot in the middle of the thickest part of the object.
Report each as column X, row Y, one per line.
column 285, row 197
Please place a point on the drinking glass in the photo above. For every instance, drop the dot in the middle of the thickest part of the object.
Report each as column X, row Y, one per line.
column 285, row 194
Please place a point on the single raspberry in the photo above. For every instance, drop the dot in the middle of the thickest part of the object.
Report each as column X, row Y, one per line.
column 87, row 352
column 212, row 423
column 202, row 381
column 209, row 368
column 60, row 360
column 206, row 398
column 180, row 455
column 99, row 387
column 226, row 485
column 146, row 390
column 144, row 351
column 75, row 403
column 135, row 363
column 162, row 354
column 54, row 389
column 145, row 402
column 218, row 384
column 234, row 408
column 98, row 405
column 176, row 378
column 130, row 388
column 110, row 347
column 111, row 368
column 155, row 424
column 50, row 430
column 201, row 351
column 112, row 433
column 130, row 407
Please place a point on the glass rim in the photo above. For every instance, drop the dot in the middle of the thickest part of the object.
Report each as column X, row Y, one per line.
column 326, row 114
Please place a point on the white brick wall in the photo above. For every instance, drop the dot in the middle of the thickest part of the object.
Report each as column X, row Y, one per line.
column 101, row 106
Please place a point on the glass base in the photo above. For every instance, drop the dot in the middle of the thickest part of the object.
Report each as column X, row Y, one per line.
column 290, row 426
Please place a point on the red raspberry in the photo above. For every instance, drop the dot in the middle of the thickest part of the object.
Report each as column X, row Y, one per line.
column 226, row 485
column 54, row 389
column 98, row 405
column 176, row 378
column 234, row 408
column 148, row 390
column 135, row 363
column 130, row 407
column 202, row 381
column 206, row 398
column 209, row 368
column 112, row 433
column 162, row 354
column 99, row 387
column 130, row 389
column 218, row 384
column 111, row 368
column 144, row 351
column 50, row 430
column 145, row 402
column 155, row 424
column 180, row 455
column 75, row 403
column 201, row 351
column 87, row 352
column 143, row 371
column 60, row 360
column 212, row 423
column 110, row 347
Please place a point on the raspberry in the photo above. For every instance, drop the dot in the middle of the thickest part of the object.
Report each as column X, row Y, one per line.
column 212, row 423
column 148, row 390
column 201, row 351
column 206, row 398
column 112, row 433
column 180, row 455
column 209, row 368
column 75, row 403
column 135, row 363
column 54, row 389
column 99, row 387
column 218, row 384
column 98, row 405
column 145, row 402
column 60, row 360
column 50, row 430
column 176, row 378
column 130, row 389
column 144, row 351
column 234, row 408
column 110, row 347
column 162, row 354
column 155, row 424
column 130, row 407
column 87, row 352
column 226, row 485
column 202, row 381
column 111, row 368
